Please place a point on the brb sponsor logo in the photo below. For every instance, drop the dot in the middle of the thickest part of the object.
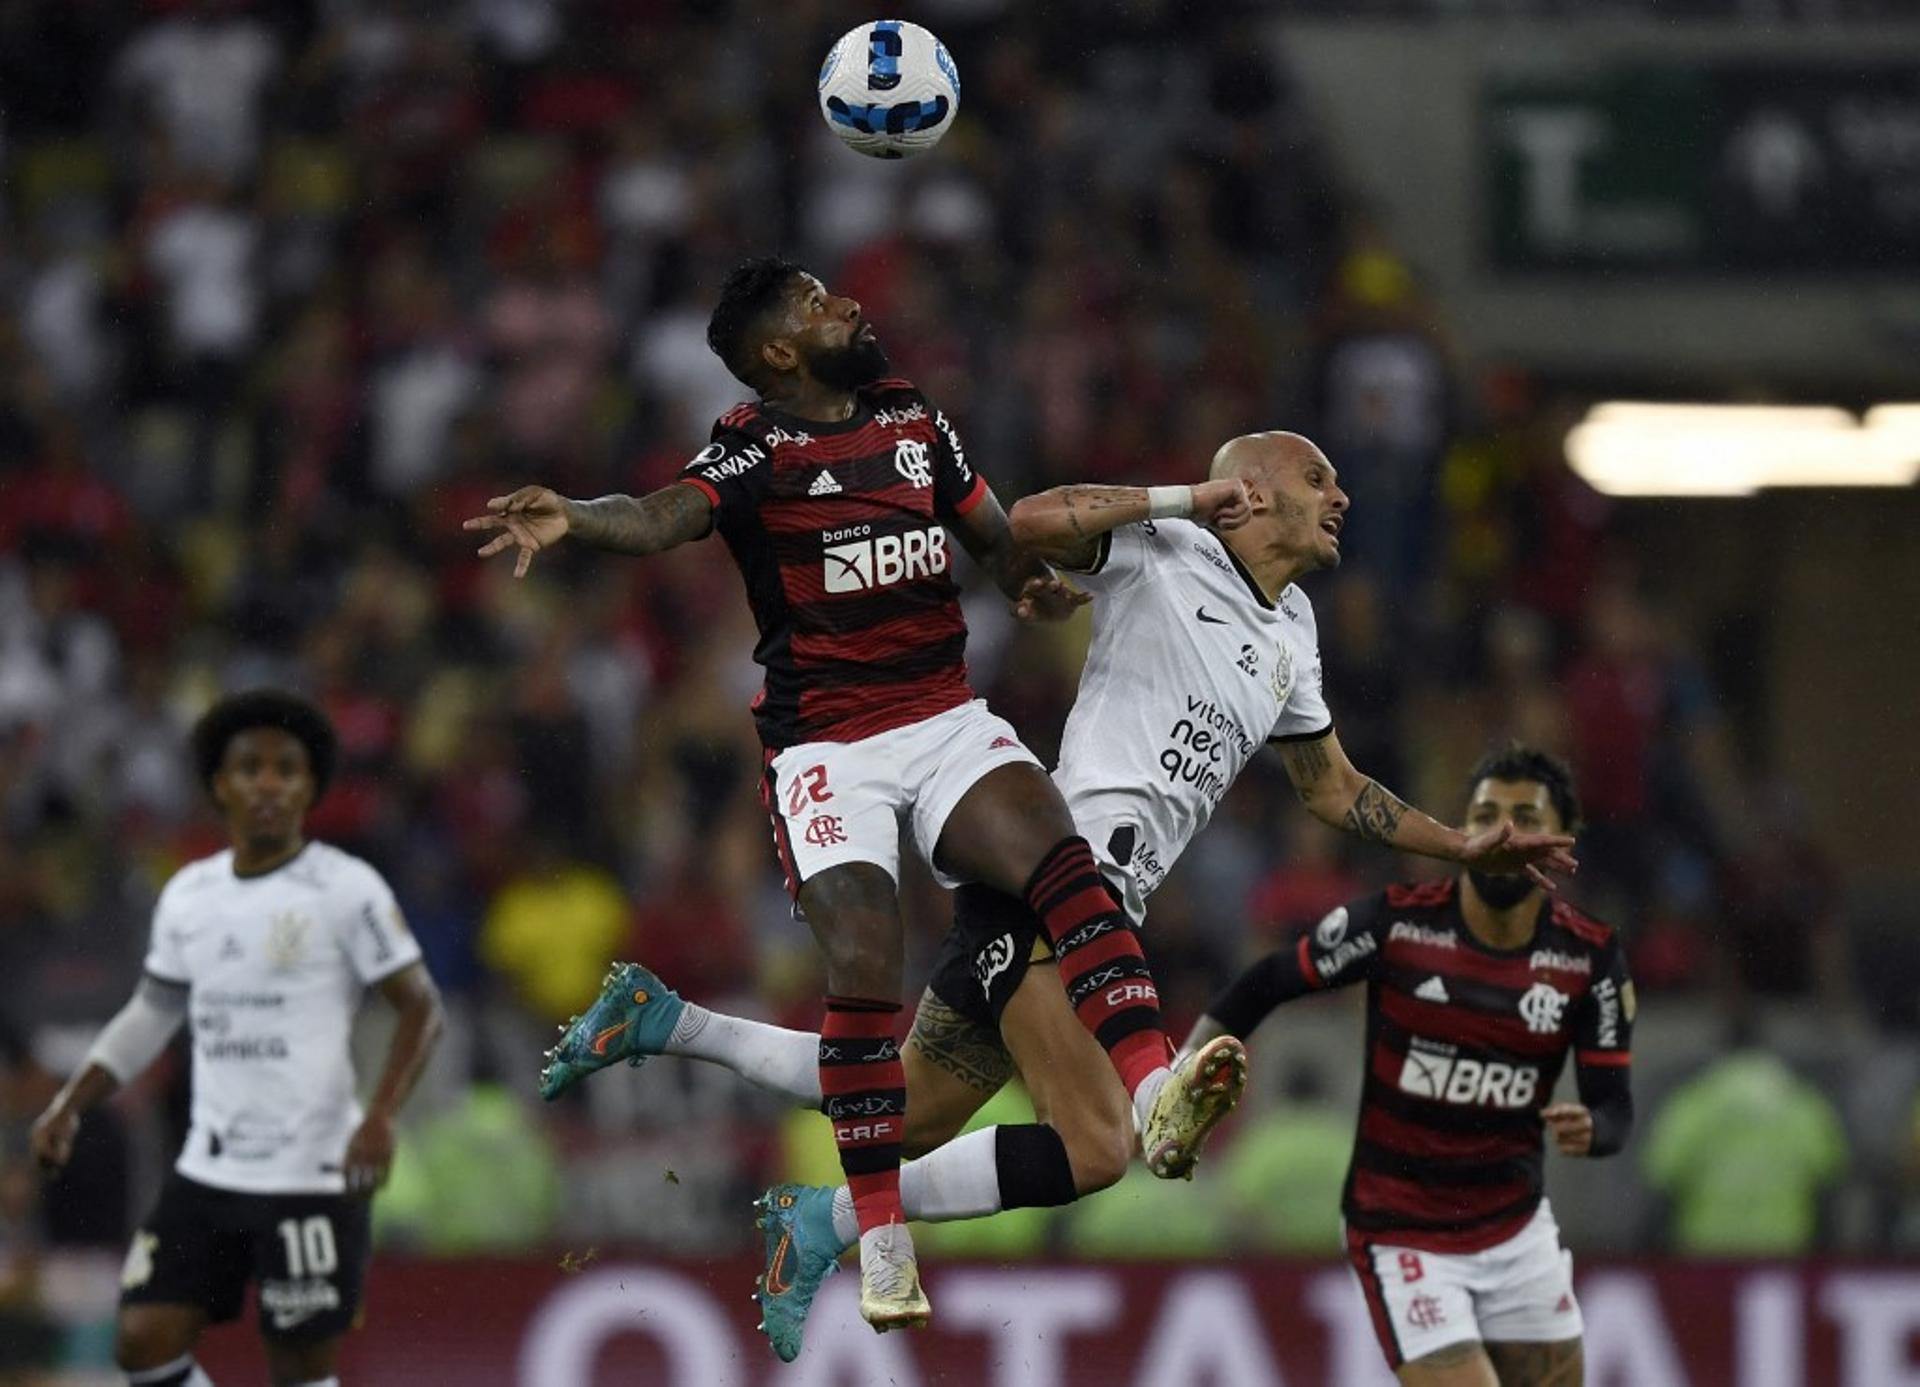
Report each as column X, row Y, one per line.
column 885, row 559
column 1438, row 1072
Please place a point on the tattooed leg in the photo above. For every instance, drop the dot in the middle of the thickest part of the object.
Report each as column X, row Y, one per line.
column 1456, row 1365
column 1560, row 1364
column 953, row 1066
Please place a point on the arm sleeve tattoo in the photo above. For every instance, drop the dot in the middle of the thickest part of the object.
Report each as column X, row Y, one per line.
column 646, row 525
column 1376, row 813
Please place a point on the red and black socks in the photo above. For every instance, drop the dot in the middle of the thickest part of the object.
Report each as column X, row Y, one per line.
column 863, row 1089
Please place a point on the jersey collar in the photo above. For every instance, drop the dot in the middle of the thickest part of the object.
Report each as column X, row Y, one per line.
column 1246, row 574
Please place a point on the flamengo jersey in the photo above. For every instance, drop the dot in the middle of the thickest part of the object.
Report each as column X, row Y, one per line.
column 277, row 965
column 1464, row 1046
column 1191, row 670
column 839, row 533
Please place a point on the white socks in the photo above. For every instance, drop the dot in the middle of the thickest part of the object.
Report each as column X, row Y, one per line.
column 181, row 1372
column 1144, row 1095
column 788, row 1062
column 955, row 1181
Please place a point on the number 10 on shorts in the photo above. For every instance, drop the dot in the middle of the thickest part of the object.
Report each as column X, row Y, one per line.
column 310, row 1246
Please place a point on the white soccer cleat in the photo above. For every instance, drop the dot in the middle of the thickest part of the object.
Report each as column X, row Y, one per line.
column 890, row 1294
column 1202, row 1089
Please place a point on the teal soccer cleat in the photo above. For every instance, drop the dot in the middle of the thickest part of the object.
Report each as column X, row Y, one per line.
column 802, row 1249
column 632, row 1018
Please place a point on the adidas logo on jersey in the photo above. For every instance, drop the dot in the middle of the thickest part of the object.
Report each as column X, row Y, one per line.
column 1432, row 990
column 824, row 485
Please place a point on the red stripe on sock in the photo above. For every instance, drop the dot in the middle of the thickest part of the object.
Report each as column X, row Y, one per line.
column 876, row 1200
column 1139, row 1055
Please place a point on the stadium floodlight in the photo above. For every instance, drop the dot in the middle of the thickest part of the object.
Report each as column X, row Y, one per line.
column 1633, row 448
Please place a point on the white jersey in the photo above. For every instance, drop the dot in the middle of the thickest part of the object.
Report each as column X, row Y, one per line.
column 1191, row 670
column 277, row 965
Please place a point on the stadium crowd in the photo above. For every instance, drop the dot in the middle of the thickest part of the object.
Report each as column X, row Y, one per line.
column 288, row 290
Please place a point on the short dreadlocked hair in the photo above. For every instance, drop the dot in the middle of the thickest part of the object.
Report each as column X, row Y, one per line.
column 752, row 289
column 242, row 712
column 1518, row 761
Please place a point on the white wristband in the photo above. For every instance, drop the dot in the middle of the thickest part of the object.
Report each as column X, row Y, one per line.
column 1169, row 502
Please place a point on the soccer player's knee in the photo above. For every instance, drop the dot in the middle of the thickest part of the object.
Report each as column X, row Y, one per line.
column 1099, row 1148
column 927, row 1128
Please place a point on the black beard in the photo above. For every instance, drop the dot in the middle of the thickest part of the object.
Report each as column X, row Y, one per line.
column 1501, row 892
column 861, row 362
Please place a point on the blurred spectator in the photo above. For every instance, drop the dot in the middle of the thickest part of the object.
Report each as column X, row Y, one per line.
column 1746, row 1154
column 552, row 926
column 28, row 1337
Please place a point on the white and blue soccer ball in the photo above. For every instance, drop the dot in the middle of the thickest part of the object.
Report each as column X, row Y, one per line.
column 889, row 89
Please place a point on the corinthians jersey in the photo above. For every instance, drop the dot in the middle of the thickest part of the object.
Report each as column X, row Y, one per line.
column 1191, row 670
column 276, row 966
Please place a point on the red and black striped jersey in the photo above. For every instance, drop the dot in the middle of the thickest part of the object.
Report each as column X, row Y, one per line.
column 1464, row 1045
column 839, row 532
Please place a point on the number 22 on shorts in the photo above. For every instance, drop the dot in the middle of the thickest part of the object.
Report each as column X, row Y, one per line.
column 809, row 784
column 1410, row 1268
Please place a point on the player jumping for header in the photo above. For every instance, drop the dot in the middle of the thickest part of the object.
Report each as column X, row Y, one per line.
column 835, row 492
column 1203, row 651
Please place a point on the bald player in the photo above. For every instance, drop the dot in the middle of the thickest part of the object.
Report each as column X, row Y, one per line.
column 1203, row 651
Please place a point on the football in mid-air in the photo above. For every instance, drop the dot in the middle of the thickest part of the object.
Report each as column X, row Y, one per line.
column 889, row 89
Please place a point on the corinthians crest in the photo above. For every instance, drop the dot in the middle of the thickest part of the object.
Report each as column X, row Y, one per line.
column 287, row 934
column 1282, row 674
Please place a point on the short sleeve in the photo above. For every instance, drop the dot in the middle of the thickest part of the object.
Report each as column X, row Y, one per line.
column 1120, row 557
column 732, row 472
column 374, row 933
column 1345, row 947
column 1304, row 717
column 957, row 488
column 166, row 958
column 1603, row 1021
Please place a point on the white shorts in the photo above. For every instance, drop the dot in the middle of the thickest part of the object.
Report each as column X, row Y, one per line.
column 839, row 802
column 1519, row 1291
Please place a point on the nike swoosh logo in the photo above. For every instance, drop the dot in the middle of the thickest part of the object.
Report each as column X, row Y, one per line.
column 1201, row 612
column 777, row 1283
column 606, row 1037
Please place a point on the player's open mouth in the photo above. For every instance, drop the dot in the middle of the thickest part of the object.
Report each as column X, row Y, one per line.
column 1332, row 526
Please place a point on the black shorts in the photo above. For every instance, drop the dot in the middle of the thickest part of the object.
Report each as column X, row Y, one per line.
column 986, row 954
column 201, row 1246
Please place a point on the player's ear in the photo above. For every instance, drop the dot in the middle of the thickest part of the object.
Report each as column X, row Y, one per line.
column 778, row 353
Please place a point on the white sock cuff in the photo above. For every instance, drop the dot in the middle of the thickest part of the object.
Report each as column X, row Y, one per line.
column 182, row 1371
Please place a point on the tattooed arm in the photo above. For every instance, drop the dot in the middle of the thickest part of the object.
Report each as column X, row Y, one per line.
column 534, row 517
column 1338, row 794
column 1066, row 523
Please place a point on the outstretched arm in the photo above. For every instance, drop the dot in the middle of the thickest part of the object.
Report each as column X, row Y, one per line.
column 128, row 1044
column 1338, row 794
column 535, row 517
column 1066, row 523
column 411, row 993
column 1029, row 582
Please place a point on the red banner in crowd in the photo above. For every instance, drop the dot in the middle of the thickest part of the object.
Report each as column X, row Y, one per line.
column 1247, row 1324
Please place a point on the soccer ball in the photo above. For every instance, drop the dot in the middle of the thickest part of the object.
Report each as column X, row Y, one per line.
column 889, row 89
